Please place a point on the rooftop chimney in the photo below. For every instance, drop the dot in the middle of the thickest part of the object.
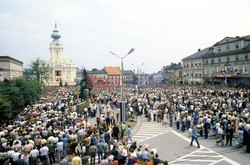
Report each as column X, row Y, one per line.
column 237, row 37
column 199, row 50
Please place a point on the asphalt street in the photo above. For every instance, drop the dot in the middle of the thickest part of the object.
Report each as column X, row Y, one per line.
column 174, row 146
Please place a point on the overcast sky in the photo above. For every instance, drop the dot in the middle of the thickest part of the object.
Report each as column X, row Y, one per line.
column 161, row 31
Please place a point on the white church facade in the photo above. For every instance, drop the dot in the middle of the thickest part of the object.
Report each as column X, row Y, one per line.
column 61, row 69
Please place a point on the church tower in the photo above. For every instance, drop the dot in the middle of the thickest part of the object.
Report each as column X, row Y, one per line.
column 61, row 68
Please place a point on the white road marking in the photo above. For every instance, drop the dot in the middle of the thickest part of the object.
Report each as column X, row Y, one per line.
column 223, row 158
column 149, row 130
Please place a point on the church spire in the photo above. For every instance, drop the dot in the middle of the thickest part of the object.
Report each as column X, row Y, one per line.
column 55, row 35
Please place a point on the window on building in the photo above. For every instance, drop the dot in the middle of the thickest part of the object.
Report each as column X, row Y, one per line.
column 191, row 64
column 213, row 70
column 212, row 61
column 218, row 69
column 219, row 49
column 58, row 73
column 228, row 48
column 245, row 69
column 206, row 61
column 236, row 69
column 237, row 46
column 228, row 59
column 219, row 60
column 236, row 58
column 199, row 64
column 206, row 71
column 246, row 56
column 196, row 75
column 187, row 65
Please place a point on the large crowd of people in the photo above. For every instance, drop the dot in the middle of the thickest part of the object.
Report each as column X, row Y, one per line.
column 54, row 130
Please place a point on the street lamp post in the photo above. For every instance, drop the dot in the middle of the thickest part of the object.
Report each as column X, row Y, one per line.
column 122, row 108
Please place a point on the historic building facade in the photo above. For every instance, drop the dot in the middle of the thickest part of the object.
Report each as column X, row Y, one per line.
column 192, row 67
column 228, row 61
column 61, row 69
column 10, row 68
column 172, row 74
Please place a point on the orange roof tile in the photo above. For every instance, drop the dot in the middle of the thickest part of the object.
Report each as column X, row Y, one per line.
column 113, row 70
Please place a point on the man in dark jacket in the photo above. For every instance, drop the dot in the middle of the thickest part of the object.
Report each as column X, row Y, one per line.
column 116, row 132
column 229, row 134
column 156, row 160
column 206, row 125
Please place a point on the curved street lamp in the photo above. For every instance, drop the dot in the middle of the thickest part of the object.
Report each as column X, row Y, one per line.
column 122, row 109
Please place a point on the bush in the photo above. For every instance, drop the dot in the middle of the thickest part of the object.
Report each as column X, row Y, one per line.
column 17, row 94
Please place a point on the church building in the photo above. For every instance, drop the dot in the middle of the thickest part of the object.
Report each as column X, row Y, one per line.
column 61, row 69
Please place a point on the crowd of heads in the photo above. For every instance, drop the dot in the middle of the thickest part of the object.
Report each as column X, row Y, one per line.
column 54, row 129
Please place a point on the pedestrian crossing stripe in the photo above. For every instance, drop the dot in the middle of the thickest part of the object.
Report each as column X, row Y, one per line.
column 149, row 130
column 211, row 157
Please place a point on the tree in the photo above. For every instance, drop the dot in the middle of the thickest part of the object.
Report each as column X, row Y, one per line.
column 38, row 70
column 16, row 94
column 30, row 89
column 12, row 93
column 83, row 84
column 5, row 109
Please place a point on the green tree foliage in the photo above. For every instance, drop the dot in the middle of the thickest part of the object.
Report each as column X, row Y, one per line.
column 83, row 84
column 17, row 94
column 38, row 70
column 5, row 109
column 30, row 90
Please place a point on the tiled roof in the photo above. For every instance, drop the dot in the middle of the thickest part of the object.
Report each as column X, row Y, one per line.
column 3, row 56
column 97, row 72
column 128, row 72
column 198, row 54
column 112, row 70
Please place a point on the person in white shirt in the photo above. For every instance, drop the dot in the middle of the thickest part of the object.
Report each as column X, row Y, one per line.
column 44, row 155
column 15, row 156
column 34, row 153
column 10, row 153
column 124, row 152
column 59, row 150
column 220, row 134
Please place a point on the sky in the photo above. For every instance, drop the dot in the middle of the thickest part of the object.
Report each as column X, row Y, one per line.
column 161, row 31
